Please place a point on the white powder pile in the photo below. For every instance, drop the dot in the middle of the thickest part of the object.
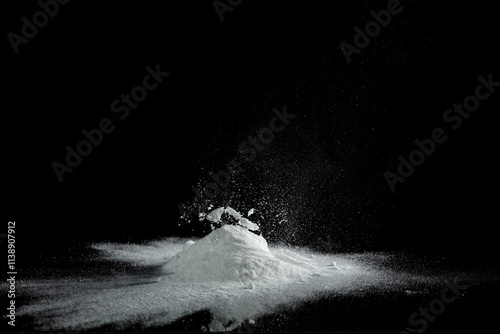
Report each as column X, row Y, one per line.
column 139, row 300
column 231, row 272
column 233, row 253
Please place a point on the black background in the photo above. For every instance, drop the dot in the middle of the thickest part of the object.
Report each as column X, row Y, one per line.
column 225, row 77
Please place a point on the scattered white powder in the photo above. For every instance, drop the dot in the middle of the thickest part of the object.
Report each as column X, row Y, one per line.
column 231, row 272
column 147, row 297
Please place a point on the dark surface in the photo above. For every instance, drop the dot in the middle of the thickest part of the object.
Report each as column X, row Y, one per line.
column 326, row 169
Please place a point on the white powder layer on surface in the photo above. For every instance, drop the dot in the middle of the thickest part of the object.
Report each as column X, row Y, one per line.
column 231, row 272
